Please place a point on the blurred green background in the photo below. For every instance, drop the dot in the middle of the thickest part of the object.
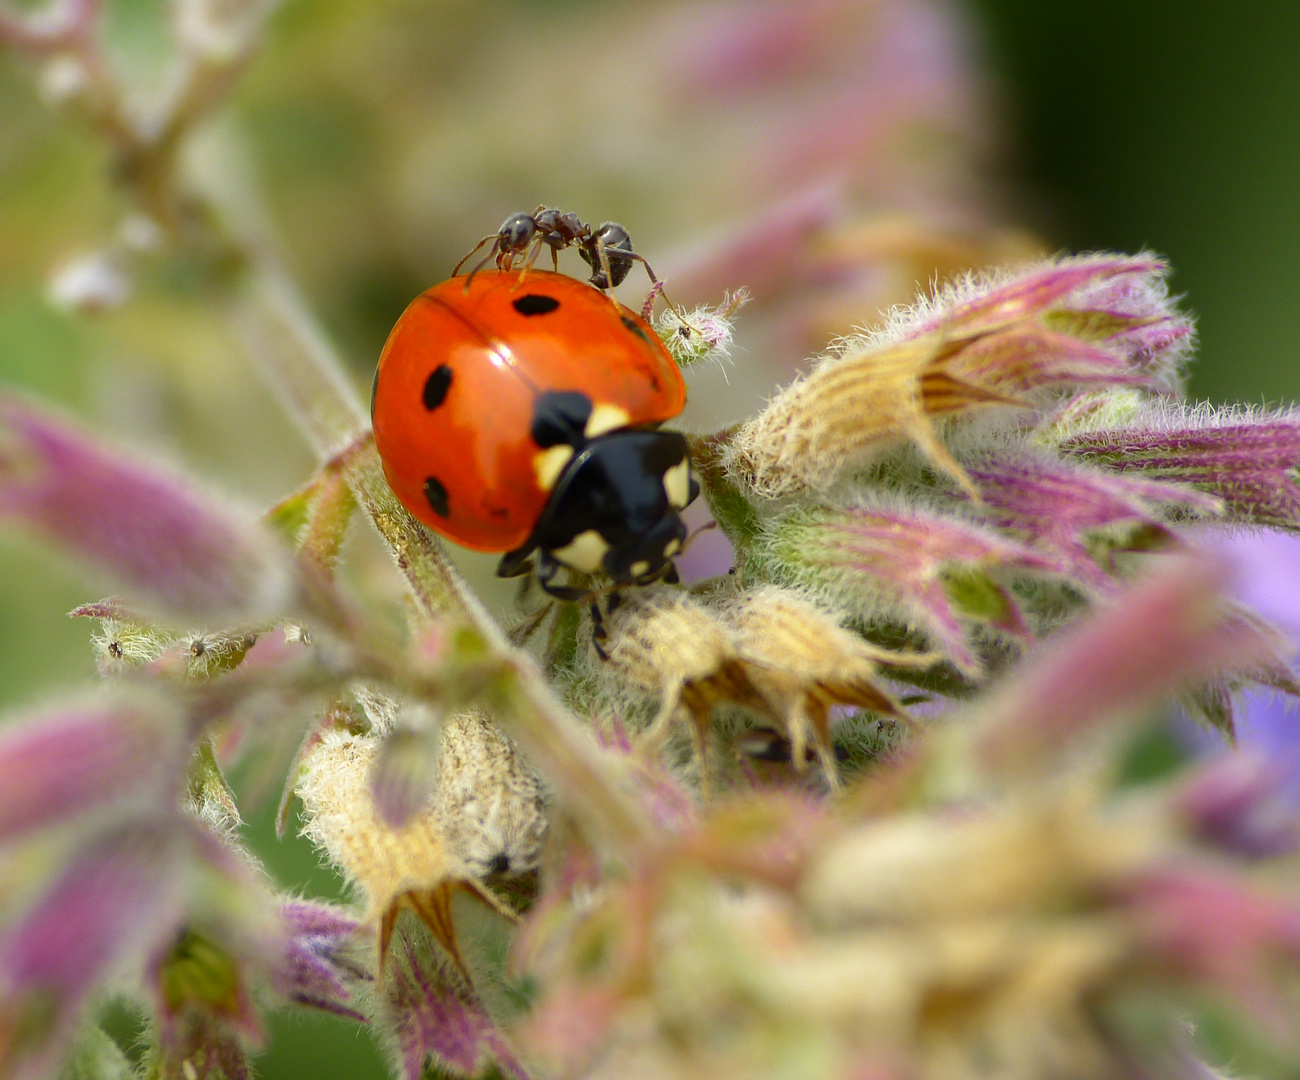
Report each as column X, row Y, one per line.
column 387, row 135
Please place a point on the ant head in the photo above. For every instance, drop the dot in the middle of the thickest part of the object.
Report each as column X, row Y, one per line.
column 516, row 233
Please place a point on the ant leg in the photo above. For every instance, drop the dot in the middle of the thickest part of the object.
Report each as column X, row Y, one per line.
column 534, row 250
column 657, row 289
column 602, row 256
column 474, row 250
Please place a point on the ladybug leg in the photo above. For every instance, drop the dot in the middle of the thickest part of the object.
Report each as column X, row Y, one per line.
column 599, row 635
column 546, row 571
column 515, row 563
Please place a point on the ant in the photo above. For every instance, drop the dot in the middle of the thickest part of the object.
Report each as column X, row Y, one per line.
column 607, row 249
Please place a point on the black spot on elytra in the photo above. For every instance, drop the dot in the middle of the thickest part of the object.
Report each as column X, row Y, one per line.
column 632, row 325
column 437, row 496
column 560, row 416
column 436, row 387
column 536, row 304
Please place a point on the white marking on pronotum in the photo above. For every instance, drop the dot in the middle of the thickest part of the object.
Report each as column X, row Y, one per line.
column 549, row 463
column 640, row 567
column 677, row 484
column 585, row 552
column 672, row 548
column 605, row 417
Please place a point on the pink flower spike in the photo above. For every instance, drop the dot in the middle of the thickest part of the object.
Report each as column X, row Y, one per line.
column 439, row 1022
column 76, row 761
column 169, row 542
column 114, row 904
column 1058, row 508
column 1246, row 459
column 315, row 969
column 1171, row 629
column 939, row 571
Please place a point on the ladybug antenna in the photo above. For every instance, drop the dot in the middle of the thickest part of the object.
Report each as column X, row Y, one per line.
column 473, row 251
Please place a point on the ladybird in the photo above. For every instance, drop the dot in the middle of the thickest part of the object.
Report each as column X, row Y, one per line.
column 522, row 415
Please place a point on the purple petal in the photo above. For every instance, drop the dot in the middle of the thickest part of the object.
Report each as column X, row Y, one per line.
column 160, row 536
column 1247, row 461
column 72, row 762
column 1245, row 804
column 439, row 1022
column 315, row 969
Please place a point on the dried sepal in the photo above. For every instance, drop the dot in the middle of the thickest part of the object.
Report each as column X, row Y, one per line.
column 989, row 341
column 411, row 867
column 489, row 801
column 942, row 574
column 802, row 657
column 825, row 426
column 667, row 644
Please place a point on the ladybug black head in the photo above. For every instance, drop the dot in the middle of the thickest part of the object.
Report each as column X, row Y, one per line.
column 616, row 509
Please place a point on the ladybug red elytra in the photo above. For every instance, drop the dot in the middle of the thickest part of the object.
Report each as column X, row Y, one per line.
column 521, row 415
